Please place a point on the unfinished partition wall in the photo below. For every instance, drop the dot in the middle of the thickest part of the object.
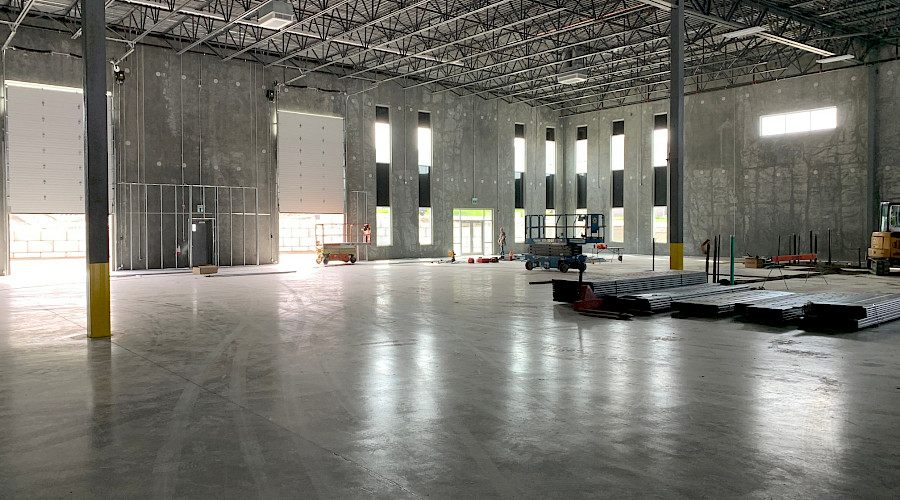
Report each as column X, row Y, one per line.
column 162, row 221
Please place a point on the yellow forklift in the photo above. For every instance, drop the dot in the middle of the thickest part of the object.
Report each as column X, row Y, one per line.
column 884, row 250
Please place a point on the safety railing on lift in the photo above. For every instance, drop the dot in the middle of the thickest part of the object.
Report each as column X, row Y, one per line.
column 565, row 228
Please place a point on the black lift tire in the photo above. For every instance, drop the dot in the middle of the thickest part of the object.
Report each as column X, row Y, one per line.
column 563, row 267
column 528, row 265
column 879, row 267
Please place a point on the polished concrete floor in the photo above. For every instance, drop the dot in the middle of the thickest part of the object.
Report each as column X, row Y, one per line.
column 441, row 381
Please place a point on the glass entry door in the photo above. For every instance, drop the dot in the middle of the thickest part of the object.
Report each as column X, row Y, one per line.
column 472, row 238
column 472, row 232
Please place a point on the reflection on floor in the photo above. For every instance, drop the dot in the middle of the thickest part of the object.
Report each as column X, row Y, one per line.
column 448, row 381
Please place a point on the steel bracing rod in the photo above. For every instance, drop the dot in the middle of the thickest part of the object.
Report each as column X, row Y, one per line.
column 457, row 33
column 779, row 52
column 523, row 57
column 556, row 63
column 16, row 23
column 855, row 7
column 644, row 95
column 483, row 69
column 491, row 50
column 365, row 25
column 779, row 10
column 614, row 81
column 382, row 46
column 281, row 31
column 662, row 81
column 455, row 42
column 494, row 89
column 667, row 6
column 408, row 35
column 158, row 23
column 638, row 76
column 607, row 50
column 784, row 67
column 216, row 32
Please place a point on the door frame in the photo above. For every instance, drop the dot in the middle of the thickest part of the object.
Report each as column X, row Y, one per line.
column 214, row 247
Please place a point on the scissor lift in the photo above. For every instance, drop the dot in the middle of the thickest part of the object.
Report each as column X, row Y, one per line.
column 344, row 247
column 556, row 241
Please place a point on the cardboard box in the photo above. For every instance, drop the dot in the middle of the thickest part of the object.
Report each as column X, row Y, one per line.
column 754, row 263
column 206, row 269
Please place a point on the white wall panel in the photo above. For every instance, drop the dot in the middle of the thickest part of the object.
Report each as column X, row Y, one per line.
column 310, row 163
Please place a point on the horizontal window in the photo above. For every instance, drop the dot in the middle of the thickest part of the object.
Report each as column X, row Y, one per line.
column 798, row 122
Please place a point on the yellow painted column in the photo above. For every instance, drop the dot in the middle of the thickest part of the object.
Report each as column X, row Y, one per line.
column 98, row 324
column 96, row 171
column 676, row 256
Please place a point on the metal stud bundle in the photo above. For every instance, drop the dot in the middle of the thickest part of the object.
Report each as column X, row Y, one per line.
column 568, row 290
column 661, row 300
column 721, row 305
column 851, row 311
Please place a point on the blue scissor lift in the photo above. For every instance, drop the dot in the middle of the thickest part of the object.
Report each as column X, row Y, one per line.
column 556, row 241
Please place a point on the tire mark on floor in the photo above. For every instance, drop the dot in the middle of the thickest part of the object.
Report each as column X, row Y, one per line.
column 504, row 488
column 165, row 468
column 250, row 448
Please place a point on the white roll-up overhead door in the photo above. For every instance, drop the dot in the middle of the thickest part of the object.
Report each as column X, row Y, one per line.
column 46, row 150
column 310, row 163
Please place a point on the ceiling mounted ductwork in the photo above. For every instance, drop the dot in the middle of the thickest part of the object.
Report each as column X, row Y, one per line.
column 571, row 70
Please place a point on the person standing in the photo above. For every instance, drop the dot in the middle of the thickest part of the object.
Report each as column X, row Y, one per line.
column 502, row 241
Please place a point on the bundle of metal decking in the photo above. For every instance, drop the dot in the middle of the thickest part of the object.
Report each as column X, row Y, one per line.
column 837, row 311
column 778, row 310
column 628, row 284
column 723, row 304
column 661, row 300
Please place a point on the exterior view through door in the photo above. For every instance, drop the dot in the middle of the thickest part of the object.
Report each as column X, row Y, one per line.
column 45, row 146
column 310, row 180
column 473, row 232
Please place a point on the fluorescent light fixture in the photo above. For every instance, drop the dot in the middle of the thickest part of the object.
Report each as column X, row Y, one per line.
column 201, row 13
column 752, row 30
column 572, row 78
column 845, row 57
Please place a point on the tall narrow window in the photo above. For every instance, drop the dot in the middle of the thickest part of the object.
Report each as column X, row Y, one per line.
column 550, row 162
column 581, row 159
column 382, row 176
column 424, row 148
column 617, row 165
column 660, row 178
column 519, row 165
column 520, row 226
